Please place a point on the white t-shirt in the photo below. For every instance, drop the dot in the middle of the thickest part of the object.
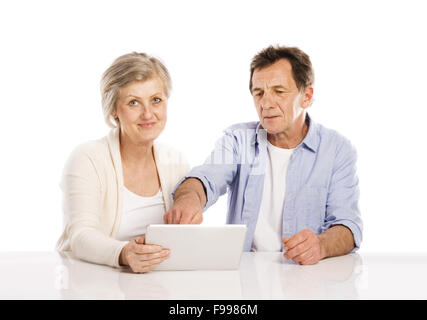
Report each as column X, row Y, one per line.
column 138, row 213
column 268, row 232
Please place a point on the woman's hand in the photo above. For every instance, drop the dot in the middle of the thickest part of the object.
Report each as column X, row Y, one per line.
column 141, row 257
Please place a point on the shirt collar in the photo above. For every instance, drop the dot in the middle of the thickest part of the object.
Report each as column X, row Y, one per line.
column 311, row 140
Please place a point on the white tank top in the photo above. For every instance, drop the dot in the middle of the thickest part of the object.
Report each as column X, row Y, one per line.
column 268, row 232
column 138, row 213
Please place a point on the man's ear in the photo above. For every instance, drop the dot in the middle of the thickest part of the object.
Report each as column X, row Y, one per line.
column 307, row 98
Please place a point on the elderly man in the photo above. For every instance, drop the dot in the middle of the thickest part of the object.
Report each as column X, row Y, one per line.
column 292, row 181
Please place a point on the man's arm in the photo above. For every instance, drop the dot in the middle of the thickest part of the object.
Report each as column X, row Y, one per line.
column 206, row 183
column 338, row 240
column 306, row 247
column 189, row 188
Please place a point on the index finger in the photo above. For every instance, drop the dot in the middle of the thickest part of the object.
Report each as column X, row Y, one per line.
column 146, row 248
column 167, row 218
column 285, row 239
column 295, row 240
column 176, row 216
column 183, row 215
column 172, row 216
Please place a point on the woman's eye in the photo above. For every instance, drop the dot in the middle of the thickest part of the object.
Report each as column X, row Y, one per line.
column 157, row 100
column 133, row 103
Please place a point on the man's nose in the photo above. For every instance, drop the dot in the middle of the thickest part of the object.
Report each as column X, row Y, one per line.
column 266, row 102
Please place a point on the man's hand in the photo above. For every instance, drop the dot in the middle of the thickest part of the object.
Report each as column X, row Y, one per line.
column 190, row 198
column 306, row 247
column 185, row 210
column 303, row 247
column 141, row 257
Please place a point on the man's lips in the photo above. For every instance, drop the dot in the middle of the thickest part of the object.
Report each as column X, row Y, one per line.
column 270, row 117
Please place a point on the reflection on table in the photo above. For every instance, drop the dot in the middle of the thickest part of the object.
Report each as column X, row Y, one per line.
column 50, row 275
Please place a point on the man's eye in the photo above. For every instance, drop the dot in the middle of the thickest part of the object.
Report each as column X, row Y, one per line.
column 258, row 94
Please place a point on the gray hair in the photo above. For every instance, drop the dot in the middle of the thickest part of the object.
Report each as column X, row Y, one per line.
column 124, row 70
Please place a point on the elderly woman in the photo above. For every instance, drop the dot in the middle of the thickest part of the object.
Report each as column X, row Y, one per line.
column 114, row 187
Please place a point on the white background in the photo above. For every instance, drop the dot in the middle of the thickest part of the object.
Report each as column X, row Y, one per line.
column 370, row 64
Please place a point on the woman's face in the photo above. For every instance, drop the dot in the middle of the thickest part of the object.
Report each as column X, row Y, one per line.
column 141, row 109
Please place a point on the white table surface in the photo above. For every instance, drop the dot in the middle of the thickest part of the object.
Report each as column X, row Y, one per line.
column 49, row 275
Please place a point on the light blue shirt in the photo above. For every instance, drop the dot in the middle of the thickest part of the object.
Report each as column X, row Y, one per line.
column 322, row 187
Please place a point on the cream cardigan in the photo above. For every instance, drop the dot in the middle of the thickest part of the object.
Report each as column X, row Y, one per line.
column 92, row 184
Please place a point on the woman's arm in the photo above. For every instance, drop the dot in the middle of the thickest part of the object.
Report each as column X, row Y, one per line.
column 82, row 204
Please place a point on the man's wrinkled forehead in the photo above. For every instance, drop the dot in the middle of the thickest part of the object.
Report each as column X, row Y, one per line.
column 271, row 80
column 277, row 74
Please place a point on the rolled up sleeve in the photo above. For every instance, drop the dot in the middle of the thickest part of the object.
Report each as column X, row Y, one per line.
column 342, row 206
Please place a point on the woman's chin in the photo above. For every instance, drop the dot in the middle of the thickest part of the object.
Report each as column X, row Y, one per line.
column 149, row 136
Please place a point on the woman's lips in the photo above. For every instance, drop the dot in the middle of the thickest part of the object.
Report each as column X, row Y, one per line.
column 146, row 125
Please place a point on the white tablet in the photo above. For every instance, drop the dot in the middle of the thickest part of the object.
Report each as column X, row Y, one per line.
column 198, row 247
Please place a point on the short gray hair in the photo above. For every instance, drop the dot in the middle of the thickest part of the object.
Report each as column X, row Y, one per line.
column 124, row 70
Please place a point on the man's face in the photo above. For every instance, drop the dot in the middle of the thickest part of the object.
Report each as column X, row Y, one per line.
column 277, row 99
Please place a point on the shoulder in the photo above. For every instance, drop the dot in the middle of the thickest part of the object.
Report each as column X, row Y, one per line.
column 334, row 141
column 244, row 126
column 91, row 148
column 86, row 163
column 241, row 133
column 168, row 154
column 90, row 153
column 171, row 163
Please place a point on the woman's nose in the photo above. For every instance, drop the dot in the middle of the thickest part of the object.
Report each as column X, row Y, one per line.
column 146, row 112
